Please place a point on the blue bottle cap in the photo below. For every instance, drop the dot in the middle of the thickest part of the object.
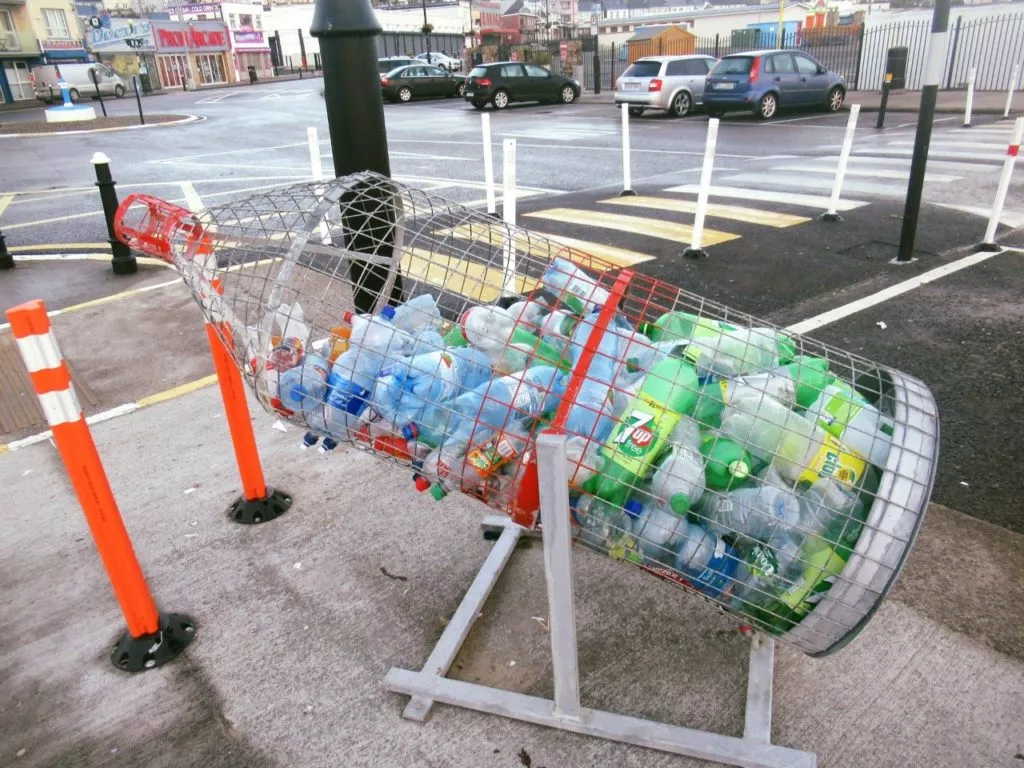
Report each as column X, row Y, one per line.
column 310, row 439
column 633, row 508
column 388, row 312
column 410, row 431
column 298, row 392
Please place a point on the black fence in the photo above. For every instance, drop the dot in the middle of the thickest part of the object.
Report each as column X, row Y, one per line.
column 412, row 43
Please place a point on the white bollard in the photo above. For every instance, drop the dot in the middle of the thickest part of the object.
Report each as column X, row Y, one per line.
column 1012, row 151
column 971, row 74
column 695, row 251
column 508, row 215
column 627, row 180
column 485, row 124
column 1009, row 91
column 844, row 159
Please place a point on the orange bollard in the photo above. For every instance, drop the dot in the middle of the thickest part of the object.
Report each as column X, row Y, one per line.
column 152, row 638
column 258, row 503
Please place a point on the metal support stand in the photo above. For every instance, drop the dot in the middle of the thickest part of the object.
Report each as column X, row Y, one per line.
column 429, row 685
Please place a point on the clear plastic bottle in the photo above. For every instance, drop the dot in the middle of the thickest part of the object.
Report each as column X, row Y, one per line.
column 510, row 346
column 417, row 314
column 573, row 287
column 755, row 512
column 740, row 352
column 604, row 527
column 679, row 479
column 845, row 414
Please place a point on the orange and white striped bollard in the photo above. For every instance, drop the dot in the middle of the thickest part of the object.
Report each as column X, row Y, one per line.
column 152, row 638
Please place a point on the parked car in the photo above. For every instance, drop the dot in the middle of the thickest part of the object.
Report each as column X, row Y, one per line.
column 46, row 76
column 507, row 81
column 765, row 81
column 442, row 60
column 673, row 84
column 389, row 63
column 407, row 83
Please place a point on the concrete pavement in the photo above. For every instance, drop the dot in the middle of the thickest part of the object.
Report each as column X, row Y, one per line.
column 297, row 625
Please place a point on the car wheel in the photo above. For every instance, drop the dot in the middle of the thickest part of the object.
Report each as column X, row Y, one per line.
column 568, row 94
column 767, row 106
column 74, row 95
column 681, row 105
column 500, row 99
column 636, row 111
column 119, row 91
column 405, row 93
column 460, row 90
column 834, row 100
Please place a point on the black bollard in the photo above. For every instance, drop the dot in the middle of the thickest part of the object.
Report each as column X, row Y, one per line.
column 138, row 99
column 123, row 261
column 886, row 85
column 95, row 77
column 597, row 73
column 347, row 31
column 6, row 260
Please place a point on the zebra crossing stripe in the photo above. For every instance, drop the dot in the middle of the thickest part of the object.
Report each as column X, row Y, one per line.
column 771, row 196
column 812, row 182
column 635, row 225
column 539, row 247
column 880, row 173
column 715, row 210
column 476, row 281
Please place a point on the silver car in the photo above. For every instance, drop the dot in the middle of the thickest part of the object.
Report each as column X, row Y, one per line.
column 674, row 84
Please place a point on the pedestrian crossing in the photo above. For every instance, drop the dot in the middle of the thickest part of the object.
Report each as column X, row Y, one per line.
column 575, row 131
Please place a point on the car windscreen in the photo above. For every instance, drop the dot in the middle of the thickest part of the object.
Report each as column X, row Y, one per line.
column 734, row 65
column 643, row 69
column 478, row 72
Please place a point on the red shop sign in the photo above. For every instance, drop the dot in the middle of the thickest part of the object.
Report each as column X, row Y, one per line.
column 197, row 38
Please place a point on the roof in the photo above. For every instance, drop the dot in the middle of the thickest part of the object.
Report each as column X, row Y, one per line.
column 672, row 16
column 648, row 32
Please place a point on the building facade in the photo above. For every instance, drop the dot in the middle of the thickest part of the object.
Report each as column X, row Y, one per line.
column 250, row 43
column 128, row 46
column 19, row 50
column 192, row 54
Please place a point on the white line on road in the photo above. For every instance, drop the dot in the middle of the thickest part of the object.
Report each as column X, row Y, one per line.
column 827, row 318
column 764, row 196
column 192, row 199
column 881, row 173
column 613, row 148
column 5, row 200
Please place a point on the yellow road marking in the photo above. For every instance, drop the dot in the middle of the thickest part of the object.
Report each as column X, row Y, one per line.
column 475, row 281
column 173, row 392
column 715, row 210
column 59, row 247
column 67, row 217
column 3, row 449
column 495, row 235
column 637, row 225
column 5, row 200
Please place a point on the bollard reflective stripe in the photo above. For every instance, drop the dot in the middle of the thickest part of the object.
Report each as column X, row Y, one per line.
column 51, row 380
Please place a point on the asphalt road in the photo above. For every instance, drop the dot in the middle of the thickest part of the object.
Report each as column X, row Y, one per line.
column 775, row 259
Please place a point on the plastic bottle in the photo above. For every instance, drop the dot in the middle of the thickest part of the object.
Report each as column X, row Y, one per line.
column 604, row 527
column 684, row 326
column 755, row 512
column 285, row 354
column 658, row 531
column 405, row 388
column 708, row 561
column 846, row 415
column 418, row 313
column 679, row 479
column 573, row 287
column 798, row 448
column 331, row 347
column 510, row 346
column 558, row 324
column 727, row 465
column 668, row 393
column 476, row 471
column 582, row 458
column 528, row 312
column 353, row 375
column 795, row 385
column 740, row 352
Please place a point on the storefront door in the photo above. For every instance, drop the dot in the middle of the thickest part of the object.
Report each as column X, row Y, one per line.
column 173, row 70
column 17, row 79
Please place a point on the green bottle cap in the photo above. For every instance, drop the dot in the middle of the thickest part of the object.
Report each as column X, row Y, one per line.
column 437, row 492
column 726, row 465
column 680, row 504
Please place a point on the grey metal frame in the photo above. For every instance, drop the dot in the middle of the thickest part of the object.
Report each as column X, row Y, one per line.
column 753, row 750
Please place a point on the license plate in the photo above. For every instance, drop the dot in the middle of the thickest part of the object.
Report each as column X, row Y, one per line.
column 469, row 93
column 631, row 86
column 724, row 86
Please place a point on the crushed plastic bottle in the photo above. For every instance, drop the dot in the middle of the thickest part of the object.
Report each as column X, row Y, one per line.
column 573, row 287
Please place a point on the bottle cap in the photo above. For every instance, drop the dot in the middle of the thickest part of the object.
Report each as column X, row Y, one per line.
column 437, row 492
column 309, row 440
column 633, row 508
column 410, row 431
column 298, row 392
column 739, row 469
column 388, row 312
column 422, row 483
column 680, row 503
column 347, row 317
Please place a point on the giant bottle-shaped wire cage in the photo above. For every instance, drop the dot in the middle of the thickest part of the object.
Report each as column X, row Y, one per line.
column 782, row 479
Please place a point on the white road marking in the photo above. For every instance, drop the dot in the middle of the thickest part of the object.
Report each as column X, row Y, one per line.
column 192, row 199
column 760, row 195
column 992, row 158
column 614, row 148
column 1012, row 219
column 5, row 200
column 881, row 173
column 772, row 179
column 827, row 318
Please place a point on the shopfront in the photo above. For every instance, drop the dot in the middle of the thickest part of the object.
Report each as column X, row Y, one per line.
column 128, row 47
column 19, row 50
column 250, row 48
column 192, row 54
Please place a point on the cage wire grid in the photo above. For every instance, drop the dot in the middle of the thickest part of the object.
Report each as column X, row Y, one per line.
column 781, row 479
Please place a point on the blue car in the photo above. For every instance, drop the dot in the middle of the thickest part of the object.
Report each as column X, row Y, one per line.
column 763, row 81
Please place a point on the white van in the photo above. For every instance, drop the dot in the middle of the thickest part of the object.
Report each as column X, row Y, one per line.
column 78, row 77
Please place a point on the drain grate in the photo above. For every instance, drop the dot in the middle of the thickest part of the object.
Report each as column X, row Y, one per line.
column 19, row 406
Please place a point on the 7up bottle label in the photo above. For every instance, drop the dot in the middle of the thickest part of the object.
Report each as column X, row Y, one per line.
column 641, row 436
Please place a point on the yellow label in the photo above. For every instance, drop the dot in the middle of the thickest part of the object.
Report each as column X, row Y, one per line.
column 832, row 460
column 641, row 435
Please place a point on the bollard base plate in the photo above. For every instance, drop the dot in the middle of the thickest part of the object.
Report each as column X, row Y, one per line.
column 256, row 511
column 829, row 216
column 137, row 654
column 627, row 193
column 125, row 266
column 6, row 261
column 990, row 247
column 695, row 253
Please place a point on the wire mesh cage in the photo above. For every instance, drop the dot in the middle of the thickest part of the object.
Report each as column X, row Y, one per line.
column 781, row 479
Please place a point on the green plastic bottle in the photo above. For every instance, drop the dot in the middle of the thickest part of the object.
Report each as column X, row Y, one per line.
column 455, row 337
column 796, row 385
column 668, row 393
column 727, row 464
column 685, row 326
